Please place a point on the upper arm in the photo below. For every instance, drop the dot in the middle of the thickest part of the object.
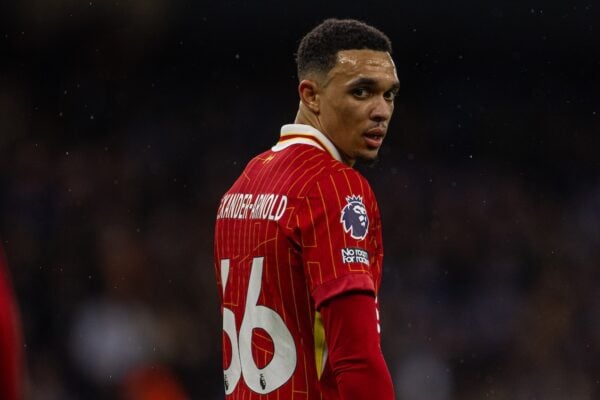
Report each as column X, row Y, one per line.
column 339, row 236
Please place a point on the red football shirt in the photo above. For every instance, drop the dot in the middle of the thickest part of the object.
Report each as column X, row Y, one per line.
column 297, row 228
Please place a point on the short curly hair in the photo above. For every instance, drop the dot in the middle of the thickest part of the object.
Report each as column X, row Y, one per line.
column 318, row 49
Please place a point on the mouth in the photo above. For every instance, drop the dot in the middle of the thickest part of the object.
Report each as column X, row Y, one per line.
column 374, row 137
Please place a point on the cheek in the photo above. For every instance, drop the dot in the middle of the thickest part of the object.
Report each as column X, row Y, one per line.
column 338, row 115
column 350, row 114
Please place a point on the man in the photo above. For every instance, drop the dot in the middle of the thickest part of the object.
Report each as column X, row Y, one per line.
column 10, row 340
column 298, row 250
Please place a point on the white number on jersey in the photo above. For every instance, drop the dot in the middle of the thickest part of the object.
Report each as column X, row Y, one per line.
column 281, row 367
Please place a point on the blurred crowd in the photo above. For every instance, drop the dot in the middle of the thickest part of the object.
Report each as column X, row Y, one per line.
column 117, row 140
column 491, row 288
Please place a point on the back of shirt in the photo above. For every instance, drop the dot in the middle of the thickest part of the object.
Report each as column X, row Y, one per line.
column 297, row 228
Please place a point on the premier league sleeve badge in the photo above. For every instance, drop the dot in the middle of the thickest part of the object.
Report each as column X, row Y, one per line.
column 354, row 217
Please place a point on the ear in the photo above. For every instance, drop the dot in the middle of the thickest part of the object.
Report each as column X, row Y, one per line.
column 309, row 95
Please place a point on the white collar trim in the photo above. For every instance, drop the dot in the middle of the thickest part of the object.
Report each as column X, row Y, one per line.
column 305, row 134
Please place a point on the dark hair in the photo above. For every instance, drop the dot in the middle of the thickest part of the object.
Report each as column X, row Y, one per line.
column 318, row 48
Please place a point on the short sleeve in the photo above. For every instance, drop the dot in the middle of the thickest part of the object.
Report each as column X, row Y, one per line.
column 340, row 235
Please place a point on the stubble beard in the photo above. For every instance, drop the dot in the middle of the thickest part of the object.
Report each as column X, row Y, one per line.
column 369, row 162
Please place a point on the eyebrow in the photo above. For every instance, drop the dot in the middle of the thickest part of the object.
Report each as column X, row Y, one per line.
column 365, row 81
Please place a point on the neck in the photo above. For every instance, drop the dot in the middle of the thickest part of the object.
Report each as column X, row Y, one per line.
column 307, row 117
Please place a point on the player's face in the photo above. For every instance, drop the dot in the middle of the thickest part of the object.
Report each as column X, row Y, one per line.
column 357, row 101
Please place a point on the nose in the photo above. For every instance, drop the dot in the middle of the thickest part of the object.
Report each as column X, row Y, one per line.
column 382, row 109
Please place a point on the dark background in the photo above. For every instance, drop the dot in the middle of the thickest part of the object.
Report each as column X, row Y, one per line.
column 122, row 123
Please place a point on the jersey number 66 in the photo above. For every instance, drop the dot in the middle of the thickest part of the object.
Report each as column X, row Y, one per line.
column 281, row 367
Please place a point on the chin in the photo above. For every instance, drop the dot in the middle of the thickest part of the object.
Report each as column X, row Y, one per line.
column 368, row 159
column 369, row 155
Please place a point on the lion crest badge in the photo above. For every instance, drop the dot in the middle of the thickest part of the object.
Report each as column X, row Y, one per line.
column 354, row 218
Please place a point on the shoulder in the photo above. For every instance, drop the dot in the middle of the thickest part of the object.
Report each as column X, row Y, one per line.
column 303, row 167
column 344, row 179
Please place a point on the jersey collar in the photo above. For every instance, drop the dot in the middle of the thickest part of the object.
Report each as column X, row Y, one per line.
column 305, row 134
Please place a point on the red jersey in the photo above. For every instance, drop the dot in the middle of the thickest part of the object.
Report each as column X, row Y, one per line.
column 297, row 228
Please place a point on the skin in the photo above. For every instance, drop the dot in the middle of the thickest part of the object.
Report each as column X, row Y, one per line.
column 352, row 103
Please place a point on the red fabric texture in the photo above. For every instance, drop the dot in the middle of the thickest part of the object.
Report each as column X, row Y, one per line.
column 343, row 284
column 354, row 352
column 10, row 343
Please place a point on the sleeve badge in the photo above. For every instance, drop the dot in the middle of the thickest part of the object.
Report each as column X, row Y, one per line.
column 354, row 217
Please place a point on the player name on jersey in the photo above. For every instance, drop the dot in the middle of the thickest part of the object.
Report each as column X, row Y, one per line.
column 267, row 206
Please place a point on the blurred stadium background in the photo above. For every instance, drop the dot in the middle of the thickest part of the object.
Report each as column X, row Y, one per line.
column 122, row 122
